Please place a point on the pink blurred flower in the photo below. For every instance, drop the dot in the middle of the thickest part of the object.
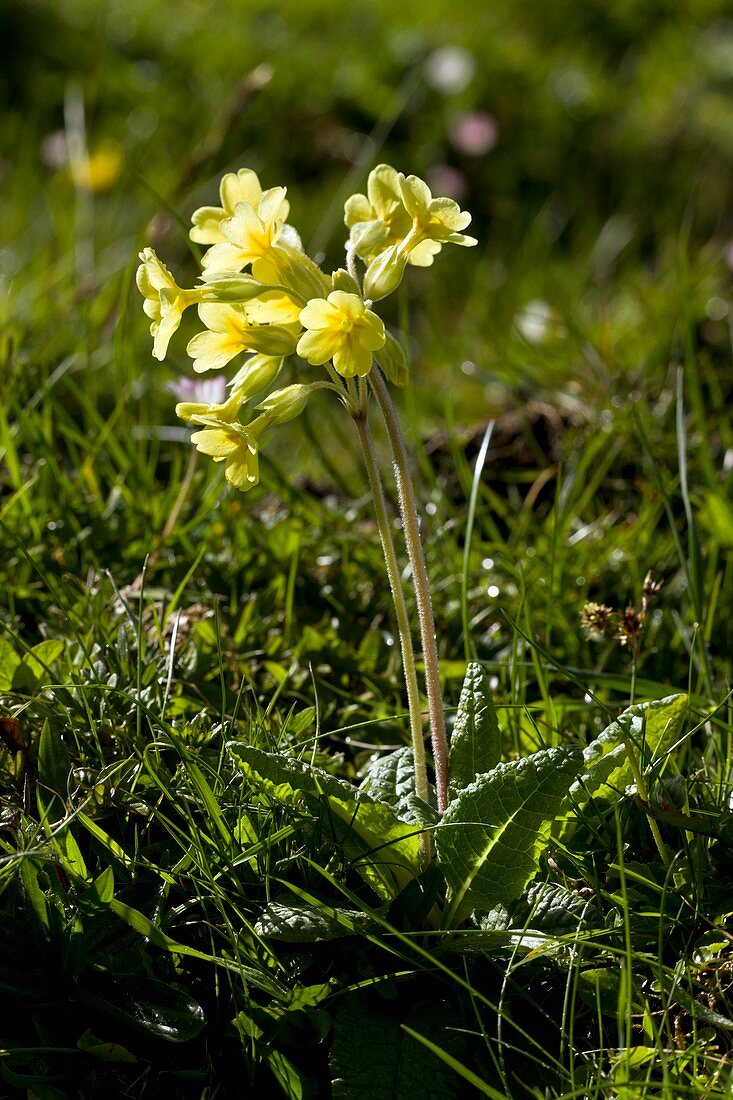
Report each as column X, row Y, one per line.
column 728, row 255
column 207, row 391
column 444, row 180
column 474, row 133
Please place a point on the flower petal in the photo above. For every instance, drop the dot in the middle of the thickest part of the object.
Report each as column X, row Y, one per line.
column 241, row 186
column 225, row 257
column 318, row 346
column 213, row 350
column 449, row 214
column 416, row 195
column 423, row 254
column 352, row 358
column 214, row 442
column 206, row 221
column 370, row 332
column 242, row 470
column 319, row 313
column 273, row 307
column 273, row 205
column 383, row 188
column 357, row 208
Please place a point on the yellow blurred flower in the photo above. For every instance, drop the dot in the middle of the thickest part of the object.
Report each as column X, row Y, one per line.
column 98, row 171
column 341, row 328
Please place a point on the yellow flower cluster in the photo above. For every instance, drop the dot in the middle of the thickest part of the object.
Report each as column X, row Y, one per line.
column 261, row 295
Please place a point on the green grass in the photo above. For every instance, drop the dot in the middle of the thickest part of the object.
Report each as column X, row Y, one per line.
column 173, row 927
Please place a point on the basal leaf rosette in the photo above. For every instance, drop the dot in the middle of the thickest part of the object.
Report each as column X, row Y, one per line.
column 340, row 328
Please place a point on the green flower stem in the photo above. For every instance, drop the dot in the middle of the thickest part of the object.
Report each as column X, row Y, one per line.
column 403, row 622
column 644, row 796
column 411, row 524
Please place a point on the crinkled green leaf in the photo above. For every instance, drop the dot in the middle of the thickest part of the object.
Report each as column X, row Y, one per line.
column 296, row 921
column 155, row 1008
column 383, row 849
column 391, row 779
column 372, row 1058
column 656, row 726
column 495, row 830
column 549, row 907
column 475, row 746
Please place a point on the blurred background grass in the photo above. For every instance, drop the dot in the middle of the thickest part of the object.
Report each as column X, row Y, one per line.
column 592, row 142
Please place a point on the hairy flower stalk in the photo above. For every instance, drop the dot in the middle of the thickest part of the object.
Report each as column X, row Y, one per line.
column 260, row 297
column 411, row 525
column 403, row 622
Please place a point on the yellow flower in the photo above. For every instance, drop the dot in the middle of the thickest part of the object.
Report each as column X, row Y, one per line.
column 230, row 330
column 225, row 337
column 234, row 444
column 241, row 186
column 340, row 327
column 249, row 233
column 435, row 222
column 164, row 302
column 378, row 219
column 398, row 222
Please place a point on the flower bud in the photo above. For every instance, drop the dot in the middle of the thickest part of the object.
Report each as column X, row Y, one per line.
column 259, row 372
column 343, row 281
column 274, row 340
column 231, row 287
column 391, row 358
column 286, row 404
column 385, row 273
